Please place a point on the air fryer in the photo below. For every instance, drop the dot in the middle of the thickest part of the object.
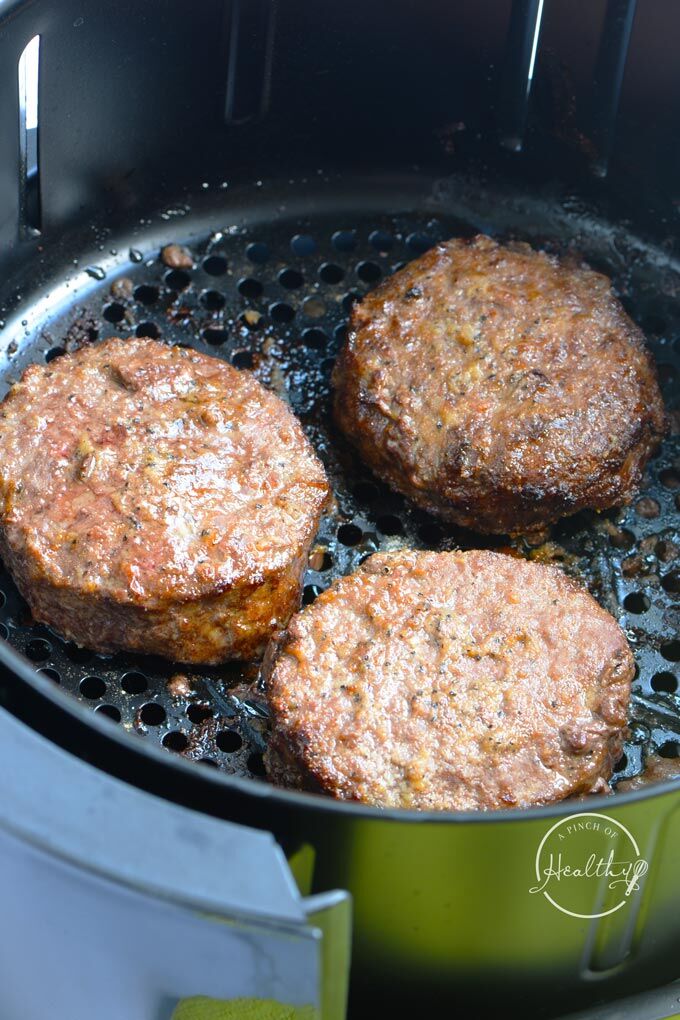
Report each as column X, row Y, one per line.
column 301, row 152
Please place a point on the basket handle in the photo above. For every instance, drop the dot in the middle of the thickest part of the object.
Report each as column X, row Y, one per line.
column 126, row 904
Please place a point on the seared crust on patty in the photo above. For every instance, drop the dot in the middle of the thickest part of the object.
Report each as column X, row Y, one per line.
column 499, row 387
column 157, row 500
column 449, row 681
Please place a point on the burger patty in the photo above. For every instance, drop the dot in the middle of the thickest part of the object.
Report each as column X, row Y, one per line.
column 499, row 387
column 157, row 500
column 449, row 681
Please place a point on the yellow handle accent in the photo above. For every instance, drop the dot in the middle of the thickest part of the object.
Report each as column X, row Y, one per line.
column 200, row 1007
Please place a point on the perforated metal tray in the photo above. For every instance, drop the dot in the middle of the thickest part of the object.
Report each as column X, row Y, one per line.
column 274, row 277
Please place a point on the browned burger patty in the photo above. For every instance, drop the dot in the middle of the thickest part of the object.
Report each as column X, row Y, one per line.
column 498, row 387
column 450, row 681
column 155, row 499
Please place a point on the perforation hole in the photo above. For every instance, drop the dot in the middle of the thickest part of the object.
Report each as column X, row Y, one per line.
column 636, row 602
column 250, row 288
column 664, row 683
column 146, row 295
column 621, row 538
column 281, row 312
column 175, row 740
column 177, row 279
column 152, row 714
column 148, row 329
column 314, row 338
column 215, row 265
column 109, row 712
column 228, row 741
column 80, row 656
column 54, row 353
column 340, row 334
column 92, row 687
column 350, row 299
column 369, row 272
column 38, row 650
column 647, row 508
column 325, row 563
column 349, row 534
column 256, row 765
column 671, row 651
column 303, row 245
column 670, row 478
column 665, row 550
column 198, row 714
column 313, row 307
column 258, row 252
column 621, row 764
column 291, row 279
column 671, row 582
column 419, row 243
column 133, row 683
column 381, row 241
column 329, row 272
column 310, row 593
column 669, row 749
column 389, row 524
column 242, row 359
column 212, row 300
column 51, row 674
column 215, row 337
column 251, row 320
column 344, row 240
column 114, row 312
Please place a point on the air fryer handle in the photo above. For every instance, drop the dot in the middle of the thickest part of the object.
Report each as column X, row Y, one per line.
column 129, row 905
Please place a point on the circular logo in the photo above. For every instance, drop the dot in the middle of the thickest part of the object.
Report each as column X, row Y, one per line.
column 588, row 865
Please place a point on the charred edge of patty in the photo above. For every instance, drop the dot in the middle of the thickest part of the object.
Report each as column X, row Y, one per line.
column 283, row 762
column 286, row 767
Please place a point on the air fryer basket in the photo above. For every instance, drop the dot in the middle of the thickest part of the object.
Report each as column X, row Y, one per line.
column 301, row 153
column 271, row 291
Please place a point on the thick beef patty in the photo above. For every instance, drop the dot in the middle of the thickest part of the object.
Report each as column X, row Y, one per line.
column 157, row 500
column 498, row 387
column 450, row 681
